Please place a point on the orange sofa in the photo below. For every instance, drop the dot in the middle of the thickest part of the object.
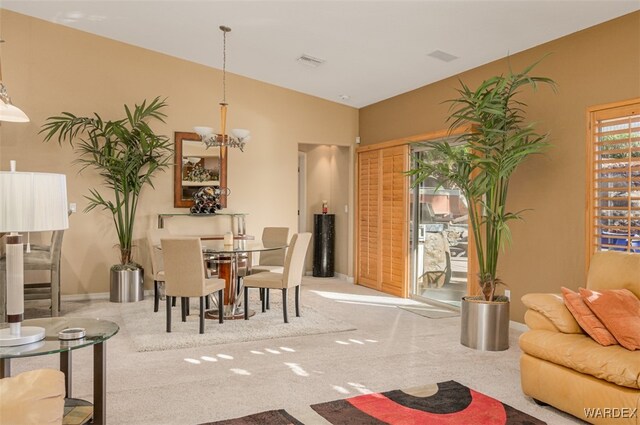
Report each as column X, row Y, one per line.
column 563, row 367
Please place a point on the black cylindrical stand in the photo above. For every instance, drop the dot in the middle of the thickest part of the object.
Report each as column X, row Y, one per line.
column 324, row 232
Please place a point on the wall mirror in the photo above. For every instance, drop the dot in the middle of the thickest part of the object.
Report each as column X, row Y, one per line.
column 197, row 166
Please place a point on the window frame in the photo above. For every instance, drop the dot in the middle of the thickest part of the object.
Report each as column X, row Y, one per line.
column 596, row 114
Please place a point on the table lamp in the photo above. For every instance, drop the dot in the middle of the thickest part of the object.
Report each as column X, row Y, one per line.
column 29, row 202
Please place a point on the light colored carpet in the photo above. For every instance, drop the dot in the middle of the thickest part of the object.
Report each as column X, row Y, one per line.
column 430, row 311
column 147, row 329
column 391, row 348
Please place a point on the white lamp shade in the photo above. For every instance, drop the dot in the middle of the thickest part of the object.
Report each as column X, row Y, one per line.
column 33, row 202
column 10, row 113
column 203, row 132
column 241, row 133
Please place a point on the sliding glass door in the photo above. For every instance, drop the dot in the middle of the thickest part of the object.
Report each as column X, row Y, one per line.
column 438, row 238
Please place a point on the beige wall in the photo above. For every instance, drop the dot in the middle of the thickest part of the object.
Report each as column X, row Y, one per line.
column 591, row 67
column 328, row 179
column 50, row 68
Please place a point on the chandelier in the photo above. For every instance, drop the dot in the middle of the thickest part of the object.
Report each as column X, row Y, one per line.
column 238, row 136
column 8, row 112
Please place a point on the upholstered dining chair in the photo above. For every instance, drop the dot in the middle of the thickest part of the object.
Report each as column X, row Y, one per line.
column 157, row 263
column 41, row 257
column 271, row 261
column 290, row 277
column 184, row 274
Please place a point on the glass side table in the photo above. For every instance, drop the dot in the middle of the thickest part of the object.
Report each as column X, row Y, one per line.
column 97, row 333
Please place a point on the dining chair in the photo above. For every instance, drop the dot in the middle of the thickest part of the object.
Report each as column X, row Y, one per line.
column 184, row 274
column 272, row 261
column 289, row 278
column 157, row 263
column 41, row 257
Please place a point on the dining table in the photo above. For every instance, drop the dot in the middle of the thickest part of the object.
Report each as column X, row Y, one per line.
column 231, row 262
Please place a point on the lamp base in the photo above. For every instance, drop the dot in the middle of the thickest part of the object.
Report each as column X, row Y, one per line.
column 28, row 335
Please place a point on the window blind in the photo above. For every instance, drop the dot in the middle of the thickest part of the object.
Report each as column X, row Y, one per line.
column 614, row 187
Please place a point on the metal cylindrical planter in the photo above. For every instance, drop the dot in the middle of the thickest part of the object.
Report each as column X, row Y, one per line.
column 127, row 284
column 485, row 325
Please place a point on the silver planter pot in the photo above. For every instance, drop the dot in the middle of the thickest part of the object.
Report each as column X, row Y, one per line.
column 127, row 284
column 485, row 325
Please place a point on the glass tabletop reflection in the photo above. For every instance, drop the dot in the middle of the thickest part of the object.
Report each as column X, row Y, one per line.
column 239, row 246
column 97, row 331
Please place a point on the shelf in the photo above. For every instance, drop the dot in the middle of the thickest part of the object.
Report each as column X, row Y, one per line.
column 204, row 183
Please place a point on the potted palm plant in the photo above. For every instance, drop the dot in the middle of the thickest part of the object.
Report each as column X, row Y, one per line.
column 126, row 153
column 480, row 163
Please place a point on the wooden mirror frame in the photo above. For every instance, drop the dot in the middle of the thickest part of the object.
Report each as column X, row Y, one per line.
column 178, row 201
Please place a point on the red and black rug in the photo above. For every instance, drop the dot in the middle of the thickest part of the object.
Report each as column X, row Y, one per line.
column 272, row 417
column 446, row 403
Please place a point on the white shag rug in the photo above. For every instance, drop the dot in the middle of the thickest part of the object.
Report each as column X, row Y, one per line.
column 147, row 330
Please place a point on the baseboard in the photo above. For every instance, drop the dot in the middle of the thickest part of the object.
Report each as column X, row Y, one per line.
column 96, row 296
column 518, row 326
column 348, row 279
column 86, row 297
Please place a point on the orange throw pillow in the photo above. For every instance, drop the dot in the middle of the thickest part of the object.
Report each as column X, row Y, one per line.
column 586, row 318
column 619, row 310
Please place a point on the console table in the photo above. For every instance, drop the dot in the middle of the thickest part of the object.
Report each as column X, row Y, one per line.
column 97, row 333
column 238, row 222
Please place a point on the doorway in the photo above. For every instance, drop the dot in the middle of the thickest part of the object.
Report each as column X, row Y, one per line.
column 439, row 238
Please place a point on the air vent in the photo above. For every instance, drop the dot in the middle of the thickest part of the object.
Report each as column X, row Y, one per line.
column 443, row 56
column 310, row 61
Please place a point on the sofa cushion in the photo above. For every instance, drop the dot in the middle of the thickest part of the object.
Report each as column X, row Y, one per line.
column 614, row 270
column 552, row 307
column 34, row 397
column 614, row 364
column 619, row 310
column 586, row 318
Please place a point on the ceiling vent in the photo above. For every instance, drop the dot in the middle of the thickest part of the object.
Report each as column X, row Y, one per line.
column 443, row 56
column 310, row 61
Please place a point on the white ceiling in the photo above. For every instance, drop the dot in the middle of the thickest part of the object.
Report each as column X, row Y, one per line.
column 373, row 49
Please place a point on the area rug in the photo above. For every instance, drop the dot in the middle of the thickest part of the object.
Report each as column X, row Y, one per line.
column 147, row 330
column 272, row 417
column 430, row 311
column 445, row 403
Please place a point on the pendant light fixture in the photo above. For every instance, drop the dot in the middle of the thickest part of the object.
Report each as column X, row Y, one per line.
column 8, row 112
column 238, row 136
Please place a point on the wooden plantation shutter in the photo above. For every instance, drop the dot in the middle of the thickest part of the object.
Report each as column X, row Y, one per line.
column 382, row 217
column 613, row 214
column 394, row 246
column 368, row 217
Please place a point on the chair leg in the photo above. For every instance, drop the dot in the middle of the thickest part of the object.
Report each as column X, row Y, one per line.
column 266, row 291
column 174, row 301
column 207, row 302
column 246, row 303
column 264, row 301
column 284, row 305
column 221, row 306
column 261, row 293
column 156, row 296
column 202, row 315
column 169, row 313
column 298, row 301
column 184, row 301
column 55, row 293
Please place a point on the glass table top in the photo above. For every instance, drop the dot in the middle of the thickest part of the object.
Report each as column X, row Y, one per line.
column 97, row 331
column 218, row 247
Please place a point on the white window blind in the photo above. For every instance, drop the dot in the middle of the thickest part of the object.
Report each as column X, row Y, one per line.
column 614, row 170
